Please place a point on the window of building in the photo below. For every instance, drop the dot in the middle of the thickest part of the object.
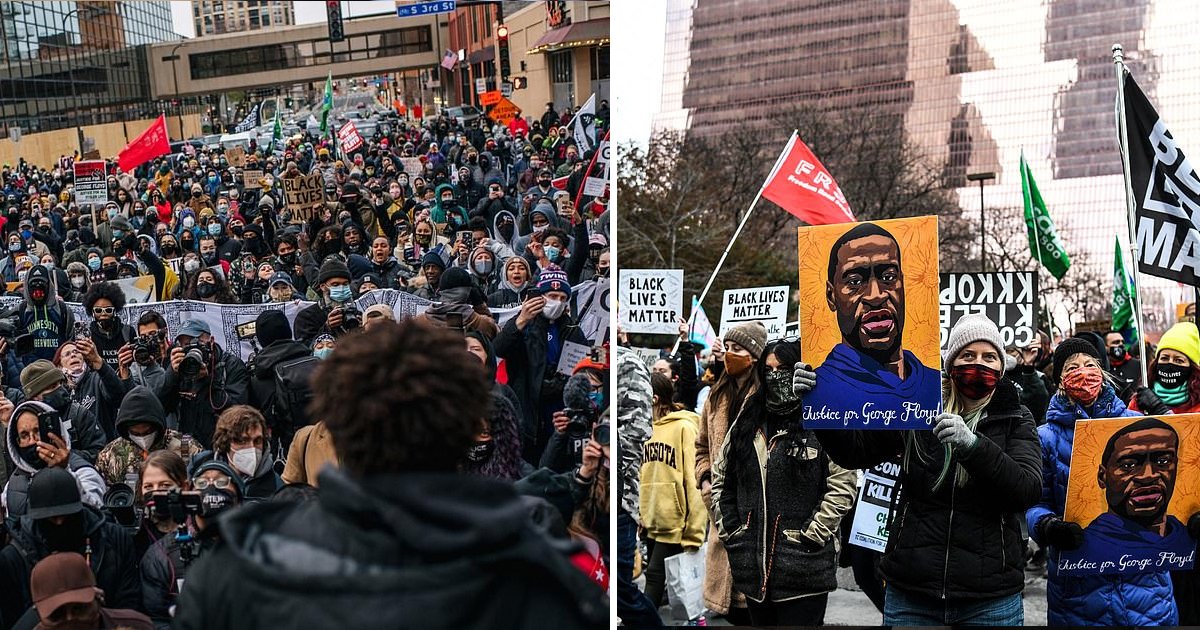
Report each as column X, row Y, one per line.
column 562, row 69
column 599, row 63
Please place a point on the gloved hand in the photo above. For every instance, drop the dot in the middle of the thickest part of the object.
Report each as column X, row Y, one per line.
column 1063, row 535
column 1150, row 404
column 1193, row 526
column 952, row 430
column 803, row 379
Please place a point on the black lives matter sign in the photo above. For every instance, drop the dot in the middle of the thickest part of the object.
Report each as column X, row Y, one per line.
column 1008, row 298
column 651, row 300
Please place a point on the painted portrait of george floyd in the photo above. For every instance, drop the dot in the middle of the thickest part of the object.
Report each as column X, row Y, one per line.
column 1133, row 486
column 869, row 324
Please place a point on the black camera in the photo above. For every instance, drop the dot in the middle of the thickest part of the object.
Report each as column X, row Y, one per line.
column 174, row 505
column 146, row 348
column 580, row 421
column 195, row 357
column 119, row 501
column 351, row 316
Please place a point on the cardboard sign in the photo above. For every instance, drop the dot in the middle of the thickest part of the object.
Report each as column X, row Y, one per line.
column 139, row 290
column 1008, row 298
column 572, row 354
column 348, row 137
column 595, row 184
column 763, row 304
column 504, row 112
column 414, row 167
column 877, row 494
column 236, row 156
column 874, row 310
column 1133, row 484
column 250, row 179
column 305, row 196
column 91, row 185
column 487, row 99
column 651, row 300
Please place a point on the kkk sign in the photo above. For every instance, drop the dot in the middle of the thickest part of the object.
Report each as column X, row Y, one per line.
column 1008, row 298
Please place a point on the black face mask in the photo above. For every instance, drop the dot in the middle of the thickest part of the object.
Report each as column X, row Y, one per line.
column 1171, row 375
column 288, row 258
column 170, row 251
column 119, row 248
column 214, row 501
column 506, row 231
column 186, row 244
column 30, row 455
column 210, row 258
column 60, row 399
column 110, row 272
column 205, row 289
column 480, row 451
column 1116, row 352
column 68, row 536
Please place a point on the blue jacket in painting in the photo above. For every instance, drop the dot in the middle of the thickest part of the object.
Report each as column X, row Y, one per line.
column 850, row 381
column 1113, row 537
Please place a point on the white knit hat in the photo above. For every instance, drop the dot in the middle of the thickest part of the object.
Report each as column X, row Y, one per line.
column 968, row 330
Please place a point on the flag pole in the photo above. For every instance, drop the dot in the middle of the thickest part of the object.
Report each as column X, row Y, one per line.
column 712, row 277
column 1123, row 142
column 1037, row 236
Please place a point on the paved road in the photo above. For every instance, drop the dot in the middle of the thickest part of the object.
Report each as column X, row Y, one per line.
column 849, row 607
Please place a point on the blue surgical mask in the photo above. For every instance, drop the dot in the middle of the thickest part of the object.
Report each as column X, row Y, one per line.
column 118, row 233
column 27, row 234
column 340, row 294
column 112, row 213
column 552, row 253
column 94, row 264
column 214, row 229
column 322, row 353
column 223, row 209
column 597, row 399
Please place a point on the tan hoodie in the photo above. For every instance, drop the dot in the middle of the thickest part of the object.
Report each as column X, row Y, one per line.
column 671, row 507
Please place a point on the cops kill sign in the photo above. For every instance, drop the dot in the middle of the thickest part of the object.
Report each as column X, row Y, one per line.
column 651, row 300
column 763, row 304
column 1008, row 298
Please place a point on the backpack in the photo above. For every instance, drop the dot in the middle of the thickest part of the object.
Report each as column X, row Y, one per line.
column 293, row 393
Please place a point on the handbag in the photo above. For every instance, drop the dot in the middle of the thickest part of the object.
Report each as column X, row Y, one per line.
column 685, row 583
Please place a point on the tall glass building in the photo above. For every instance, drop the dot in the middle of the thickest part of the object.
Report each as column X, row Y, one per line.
column 975, row 81
column 64, row 64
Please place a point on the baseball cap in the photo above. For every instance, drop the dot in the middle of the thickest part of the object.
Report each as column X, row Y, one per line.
column 193, row 328
column 280, row 276
column 61, row 578
column 53, row 492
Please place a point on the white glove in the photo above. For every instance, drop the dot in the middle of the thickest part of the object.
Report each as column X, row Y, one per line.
column 803, row 379
column 951, row 429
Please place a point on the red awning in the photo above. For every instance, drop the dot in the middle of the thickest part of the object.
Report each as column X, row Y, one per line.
column 589, row 33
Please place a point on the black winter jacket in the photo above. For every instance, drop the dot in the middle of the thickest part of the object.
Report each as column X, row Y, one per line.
column 216, row 393
column 262, row 382
column 419, row 550
column 99, row 392
column 958, row 543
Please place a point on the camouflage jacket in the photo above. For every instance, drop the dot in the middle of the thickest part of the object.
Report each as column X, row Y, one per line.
column 122, row 456
column 634, row 411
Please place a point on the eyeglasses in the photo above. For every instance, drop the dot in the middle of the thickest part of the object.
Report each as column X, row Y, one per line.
column 202, row 483
column 103, row 310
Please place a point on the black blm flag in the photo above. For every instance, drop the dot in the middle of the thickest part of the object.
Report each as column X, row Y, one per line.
column 1166, row 194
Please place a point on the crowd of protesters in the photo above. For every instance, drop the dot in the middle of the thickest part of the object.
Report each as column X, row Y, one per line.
column 714, row 452
column 446, row 471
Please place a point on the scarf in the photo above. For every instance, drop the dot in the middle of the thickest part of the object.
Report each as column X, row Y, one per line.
column 1172, row 396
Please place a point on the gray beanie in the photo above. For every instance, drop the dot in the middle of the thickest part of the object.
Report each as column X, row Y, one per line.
column 752, row 336
column 968, row 330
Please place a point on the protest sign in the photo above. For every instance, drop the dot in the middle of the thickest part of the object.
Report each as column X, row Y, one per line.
column 250, row 179
column 868, row 324
column 1007, row 298
column 137, row 290
column 1133, row 485
column 647, row 355
column 595, row 183
column 763, row 304
column 305, row 195
column 572, row 354
column 412, row 166
column 487, row 99
column 651, row 300
column 348, row 138
column 878, row 493
column 592, row 308
column 236, row 156
column 91, row 186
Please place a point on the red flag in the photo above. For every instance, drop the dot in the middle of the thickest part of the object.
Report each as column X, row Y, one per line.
column 803, row 187
column 152, row 143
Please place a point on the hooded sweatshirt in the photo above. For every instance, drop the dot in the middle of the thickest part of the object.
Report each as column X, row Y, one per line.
column 506, row 295
column 16, row 491
column 671, row 507
column 50, row 322
column 123, row 456
column 445, row 213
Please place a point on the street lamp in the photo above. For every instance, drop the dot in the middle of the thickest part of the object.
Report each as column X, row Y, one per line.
column 175, row 80
column 981, row 178
column 71, row 76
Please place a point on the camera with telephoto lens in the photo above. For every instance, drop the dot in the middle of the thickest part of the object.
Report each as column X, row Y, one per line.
column 175, row 505
column 146, row 348
column 581, row 421
column 119, row 501
column 351, row 316
column 195, row 357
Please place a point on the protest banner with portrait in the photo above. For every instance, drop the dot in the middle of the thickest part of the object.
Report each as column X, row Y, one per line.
column 869, row 324
column 1133, row 485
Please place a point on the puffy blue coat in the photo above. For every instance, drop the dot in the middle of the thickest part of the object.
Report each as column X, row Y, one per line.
column 1144, row 599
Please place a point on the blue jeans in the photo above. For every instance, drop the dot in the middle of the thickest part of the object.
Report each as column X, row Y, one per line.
column 910, row 609
column 633, row 607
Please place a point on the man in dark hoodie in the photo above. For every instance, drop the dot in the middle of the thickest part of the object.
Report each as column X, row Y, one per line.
column 58, row 521
column 461, row 305
column 397, row 536
column 275, row 337
column 142, row 425
column 495, row 202
column 43, row 315
column 29, row 454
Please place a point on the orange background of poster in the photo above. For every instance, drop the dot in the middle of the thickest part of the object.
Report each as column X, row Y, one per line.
column 918, row 239
column 1085, row 498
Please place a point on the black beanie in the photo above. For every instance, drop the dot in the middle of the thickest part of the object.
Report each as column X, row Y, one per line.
column 453, row 278
column 332, row 268
column 1069, row 348
column 271, row 326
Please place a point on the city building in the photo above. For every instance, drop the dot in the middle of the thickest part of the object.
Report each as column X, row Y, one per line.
column 214, row 17
column 976, row 83
column 561, row 52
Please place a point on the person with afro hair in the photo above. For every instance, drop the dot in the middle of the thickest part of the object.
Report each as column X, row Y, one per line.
column 104, row 302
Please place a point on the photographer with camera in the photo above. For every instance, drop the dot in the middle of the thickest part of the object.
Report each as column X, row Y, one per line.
column 584, row 404
column 92, row 383
column 36, row 439
column 213, row 490
column 59, row 520
column 105, row 301
column 42, row 381
column 43, row 315
column 163, row 471
column 142, row 429
column 143, row 363
column 532, row 344
column 240, row 440
column 202, row 381
column 335, row 312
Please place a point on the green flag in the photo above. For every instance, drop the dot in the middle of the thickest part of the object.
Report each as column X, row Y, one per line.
column 326, row 104
column 277, row 131
column 1043, row 238
column 1122, row 305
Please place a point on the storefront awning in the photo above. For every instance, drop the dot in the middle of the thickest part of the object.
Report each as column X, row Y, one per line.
column 589, row 33
column 482, row 55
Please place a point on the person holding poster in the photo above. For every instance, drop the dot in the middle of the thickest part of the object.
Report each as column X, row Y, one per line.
column 779, row 501
column 1085, row 392
column 955, row 551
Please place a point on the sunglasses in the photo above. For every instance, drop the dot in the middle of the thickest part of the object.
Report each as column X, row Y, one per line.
column 103, row 310
column 200, row 483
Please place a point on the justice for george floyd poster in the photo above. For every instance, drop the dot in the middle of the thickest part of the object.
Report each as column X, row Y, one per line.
column 1134, row 483
column 869, row 324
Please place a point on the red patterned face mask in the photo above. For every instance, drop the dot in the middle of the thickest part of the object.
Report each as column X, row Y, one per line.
column 1083, row 384
column 974, row 381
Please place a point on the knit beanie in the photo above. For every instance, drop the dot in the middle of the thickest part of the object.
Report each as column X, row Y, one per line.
column 454, row 278
column 332, row 268
column 967, row 330
column 752, row 336
column 1071, row 347
column 39, row 376
column 553, row 278
column 271, row 326
column 1182, row 338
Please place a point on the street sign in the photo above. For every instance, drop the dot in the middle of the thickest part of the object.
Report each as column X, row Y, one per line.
column 480, row 85
column 91, row 184
column 504, row 111
column 424, row 8
column 487, row 99
column 506, row 89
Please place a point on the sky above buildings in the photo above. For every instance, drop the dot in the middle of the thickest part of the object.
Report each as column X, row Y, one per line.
column 636, row 67
column 306, row 12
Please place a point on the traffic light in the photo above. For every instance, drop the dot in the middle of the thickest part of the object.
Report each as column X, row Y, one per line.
column 336, row 32
column 520, row 83
column 502, row 40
